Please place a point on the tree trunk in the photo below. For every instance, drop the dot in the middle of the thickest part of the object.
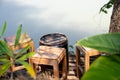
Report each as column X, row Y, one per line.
column 115, row 18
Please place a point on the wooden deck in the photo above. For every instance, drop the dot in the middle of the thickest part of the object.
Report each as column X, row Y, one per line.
column 70, row 76
column 72, row 68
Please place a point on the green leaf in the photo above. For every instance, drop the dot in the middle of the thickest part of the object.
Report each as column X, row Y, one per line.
column 4, row 67
column 29, row 68
column 25, row 56
column 22, row 51
column 18, row 35
column 4, row 60
column 104, row 68
column 3, row 29
column 4, row 56
column 108, row 43
column 5, row 49
column 107, row 6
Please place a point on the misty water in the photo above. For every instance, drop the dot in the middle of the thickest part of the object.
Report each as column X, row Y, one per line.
column 75, row 22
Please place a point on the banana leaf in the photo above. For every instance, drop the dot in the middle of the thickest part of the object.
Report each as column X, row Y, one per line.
column 108, row 43
column 104, row 68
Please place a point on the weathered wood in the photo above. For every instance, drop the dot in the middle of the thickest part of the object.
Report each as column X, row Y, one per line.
column 77, row 62
column 88, row 52
column 46, row 55
column 10, row 40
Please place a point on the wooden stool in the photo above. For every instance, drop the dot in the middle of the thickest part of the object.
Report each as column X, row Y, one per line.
column 87, row 52
column 51, row 56
column 23, row 43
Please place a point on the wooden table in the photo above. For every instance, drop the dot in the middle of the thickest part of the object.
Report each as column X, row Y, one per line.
column 87, row 52
column 46, row 55
column 10, row 40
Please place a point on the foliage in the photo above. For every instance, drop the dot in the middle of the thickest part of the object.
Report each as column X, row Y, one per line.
column 71, row 50
column 3, row 30
column 107, row 6
column 7, row 57
column 106, row 67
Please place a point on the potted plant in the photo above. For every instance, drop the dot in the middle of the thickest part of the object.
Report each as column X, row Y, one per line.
column 7, row 57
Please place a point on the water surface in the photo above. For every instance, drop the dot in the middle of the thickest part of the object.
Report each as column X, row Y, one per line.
column 38, row 17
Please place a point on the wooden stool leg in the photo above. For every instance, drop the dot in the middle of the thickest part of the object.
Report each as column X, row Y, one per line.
column 32, row 46
column 64, row 69
column 87, row 61
column 56, row 70
column 78, row 62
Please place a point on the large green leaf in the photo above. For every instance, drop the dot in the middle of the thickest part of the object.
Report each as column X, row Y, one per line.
column 3, row 29
column 108, row 43
column 18, row 35
column 4, row 67
column 5, row 49
column 104, row 68
column 29, row 68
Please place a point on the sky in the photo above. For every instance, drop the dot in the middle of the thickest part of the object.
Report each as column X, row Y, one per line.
column 75, row 18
